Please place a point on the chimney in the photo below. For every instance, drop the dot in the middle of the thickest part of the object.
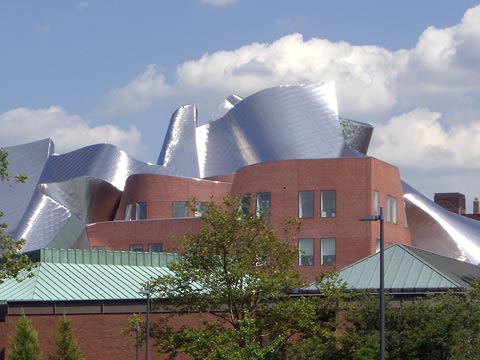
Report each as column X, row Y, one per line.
column 454, row 202
column 476, row 206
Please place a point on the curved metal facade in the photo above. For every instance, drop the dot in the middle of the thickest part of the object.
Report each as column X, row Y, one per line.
column 65, row 192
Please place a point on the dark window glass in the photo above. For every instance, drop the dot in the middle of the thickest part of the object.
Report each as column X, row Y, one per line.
column 201, row 208
column 155, row 247
column 263, row 205
column 305, row 204
column 180, row 209
column 245, row 204
column 141, row 211
column 305, row 252
column 328, row 251
column 136, row 247
column 128, row 212
column 328, row 205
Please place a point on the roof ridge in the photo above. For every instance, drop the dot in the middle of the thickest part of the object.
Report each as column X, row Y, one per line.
column 433, row 268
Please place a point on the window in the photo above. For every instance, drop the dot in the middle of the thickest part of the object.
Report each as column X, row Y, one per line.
column 375, row 203
column 128, row 212
column 155, row 247
column 327, row 251
column 200, row 208
column 377, row 246
column 180, row 209
column 305, row 252
column 136, row 247
column 100, row 248
column 405, row 215
column 394, row 210
column 263, row 205
column 305, row 204
column 328, row 204
column 245, row 204
column 389, row 212
column 141, row 211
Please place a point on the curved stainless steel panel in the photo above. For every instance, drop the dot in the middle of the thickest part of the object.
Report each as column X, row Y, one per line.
column 356, row 134
column 440, row 231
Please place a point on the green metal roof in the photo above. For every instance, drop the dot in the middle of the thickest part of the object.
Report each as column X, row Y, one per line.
column 409, row 269
column 87, row 275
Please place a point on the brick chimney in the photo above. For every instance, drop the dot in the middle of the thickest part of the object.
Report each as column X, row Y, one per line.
column 454, row 202
column 476, row 206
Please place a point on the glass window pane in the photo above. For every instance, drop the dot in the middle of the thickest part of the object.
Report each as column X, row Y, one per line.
column 305, row 204
column 136, row 247
column 141, row 211
column 394, row 210
column 328, row 252
column 263, row 205
column 101, row 248
column 128, row 212
column 180, row 209
column 375, row 203
column 377, row 246
column 388, row 217
column 328, row 203
column 200, row 208
column 245, row 204
column 305, row 252
column 155, row 247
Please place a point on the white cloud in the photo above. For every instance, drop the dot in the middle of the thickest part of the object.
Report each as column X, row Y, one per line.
column 69, row 132
column 371, row 81
column 418, row 139
column 218, row 3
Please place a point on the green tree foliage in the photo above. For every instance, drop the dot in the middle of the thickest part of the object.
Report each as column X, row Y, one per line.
column 66, row 347
column 12, row 263
column 237, row 271
column 24, row 345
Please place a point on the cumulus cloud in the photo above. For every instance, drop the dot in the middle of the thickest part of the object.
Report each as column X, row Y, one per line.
column 69, row 132
column 418, row 138
column 218, row 3
column 371, row 81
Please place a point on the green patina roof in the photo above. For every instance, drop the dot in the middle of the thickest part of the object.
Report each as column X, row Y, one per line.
column 409, row 269
column 87, row 275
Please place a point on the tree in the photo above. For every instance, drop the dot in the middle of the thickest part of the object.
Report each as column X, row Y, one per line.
column 238, row 272
column 24, row 345
column 12, row 263
column 66, row 346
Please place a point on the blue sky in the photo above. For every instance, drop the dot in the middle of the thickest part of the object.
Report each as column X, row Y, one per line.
column 114, row 71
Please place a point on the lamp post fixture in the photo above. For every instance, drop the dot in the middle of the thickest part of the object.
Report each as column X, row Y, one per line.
column 147, row 335
column 379, row 217
column 137, row 335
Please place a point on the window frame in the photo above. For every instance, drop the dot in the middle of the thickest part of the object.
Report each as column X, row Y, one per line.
column 259, row 209
column 185, row 204
column 324, row 214
column 322, row 256
column 128, row 212
column 302, row 255
column 130, row 246
column 312, row 208
column 155, row 244
column 139, row 205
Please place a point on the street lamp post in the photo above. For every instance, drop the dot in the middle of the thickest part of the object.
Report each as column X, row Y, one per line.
column 137, row 334
column 379, row 217
column 147, row 335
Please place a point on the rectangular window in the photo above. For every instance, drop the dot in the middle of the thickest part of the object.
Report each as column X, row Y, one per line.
column 328, row 252
column 245, row 204
column 155, row 247
column 405, row 215
column 263, row 205
column 305, row 204
column 141, row 211
column 328, row 204
column 200, row 208
column 100, row 248
column 375, row 203
column 377, row 246
column 394, row 210
column 128, row 212
column 136, row 247
column 305, row 252
column 180, row 209
column 389, row 212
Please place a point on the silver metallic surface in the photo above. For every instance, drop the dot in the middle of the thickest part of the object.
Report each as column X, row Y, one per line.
column 65, row 192
column 435, row 229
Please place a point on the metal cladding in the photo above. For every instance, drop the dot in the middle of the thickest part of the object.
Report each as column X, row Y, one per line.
column 438, row 230
column 65, row 192
column 280, row 123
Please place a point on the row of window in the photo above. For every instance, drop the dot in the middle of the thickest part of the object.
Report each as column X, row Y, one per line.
column 306, row 255
column 137, row 247
column 328, row 204
column 391, row 211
